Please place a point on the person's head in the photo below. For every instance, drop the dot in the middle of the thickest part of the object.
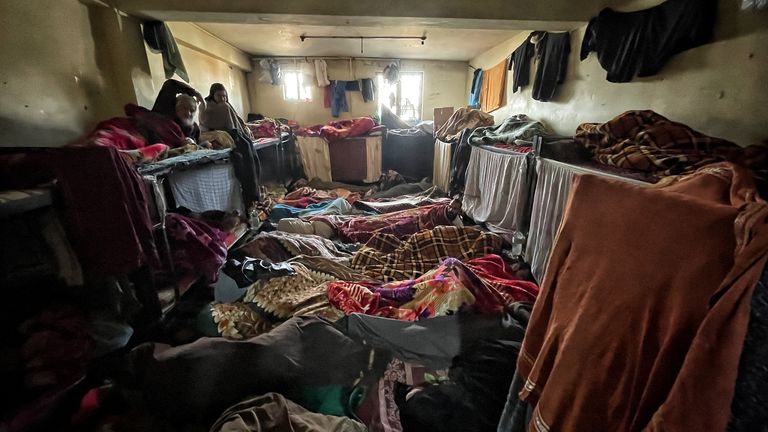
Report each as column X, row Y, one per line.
column 217, row 93
column 186, row 106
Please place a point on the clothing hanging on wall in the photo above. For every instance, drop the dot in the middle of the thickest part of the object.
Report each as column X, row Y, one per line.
column 493, row 92
column 640, row 43
column 477, row 85
column 271, row 72
column 520, row 60
column 321, row 73
column 158, row 37
column 339, row 101
column 368, row 88
column 552, row 51
column 392, row 72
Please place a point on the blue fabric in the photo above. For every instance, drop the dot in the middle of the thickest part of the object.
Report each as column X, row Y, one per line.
column 339, row 206
column 477, row 84
column 339, row 102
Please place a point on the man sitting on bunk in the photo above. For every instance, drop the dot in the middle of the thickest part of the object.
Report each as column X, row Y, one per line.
column 178, row 101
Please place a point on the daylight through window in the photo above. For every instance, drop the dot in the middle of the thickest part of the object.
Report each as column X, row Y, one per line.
column 294, row 87
column 403, row 98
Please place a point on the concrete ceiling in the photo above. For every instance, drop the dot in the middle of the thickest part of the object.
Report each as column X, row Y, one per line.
column 455, row 29
column 253, row 11
column 283, row 40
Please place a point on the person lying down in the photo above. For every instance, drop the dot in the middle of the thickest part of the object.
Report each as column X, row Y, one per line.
column 359, row 229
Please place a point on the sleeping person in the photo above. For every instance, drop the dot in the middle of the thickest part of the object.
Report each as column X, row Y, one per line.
column 218, row 113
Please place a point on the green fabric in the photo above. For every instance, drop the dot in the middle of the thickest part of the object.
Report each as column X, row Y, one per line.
column 205, row 323
column 328, row 400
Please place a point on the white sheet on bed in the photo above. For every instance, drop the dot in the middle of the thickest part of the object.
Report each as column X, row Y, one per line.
column 553, row 187
column 496, row 191
column 208, row 187
column 441, row 166
column 315, row 157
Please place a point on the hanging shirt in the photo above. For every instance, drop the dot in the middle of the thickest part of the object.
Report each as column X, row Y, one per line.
column 520, row 60
column 640, row 43
column 552, row 53
column 477, row 85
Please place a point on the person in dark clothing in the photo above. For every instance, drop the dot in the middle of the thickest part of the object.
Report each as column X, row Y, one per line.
column 552, row 50
column 640, row 43
column 179, row 102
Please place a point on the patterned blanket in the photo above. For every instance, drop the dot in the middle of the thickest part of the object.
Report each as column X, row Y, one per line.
column 483, row 285
column 646, row 141
column 269, row 302
column 385, row 257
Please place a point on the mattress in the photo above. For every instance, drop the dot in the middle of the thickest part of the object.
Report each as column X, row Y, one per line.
column 186, row 160
column 496, row 191
column 552, row 189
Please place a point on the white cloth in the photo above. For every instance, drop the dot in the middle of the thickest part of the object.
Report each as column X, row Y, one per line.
column 553, row 187
column 208, row 187
column 373, row 159
column 441, row 167
column 496, row 191
column 315, row 157
column 321, row 73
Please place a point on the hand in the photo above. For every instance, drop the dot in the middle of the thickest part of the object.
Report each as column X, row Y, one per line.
column 199, row 98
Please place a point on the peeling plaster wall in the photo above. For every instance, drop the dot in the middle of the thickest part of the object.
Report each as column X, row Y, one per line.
column 444, row 85
column 65, row 67
column 719, row 89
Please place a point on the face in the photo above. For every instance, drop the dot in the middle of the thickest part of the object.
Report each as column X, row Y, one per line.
column 220, row 96
column 186, row 113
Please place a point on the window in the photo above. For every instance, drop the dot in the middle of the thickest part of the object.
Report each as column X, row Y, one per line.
column 404, row 97
column 294, row 88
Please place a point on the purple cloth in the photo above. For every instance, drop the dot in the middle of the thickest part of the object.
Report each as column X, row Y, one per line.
column 198, row 248
column 105, row 204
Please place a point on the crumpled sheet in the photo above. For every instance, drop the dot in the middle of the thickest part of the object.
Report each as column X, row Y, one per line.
column 518, row 127
column 483, row 285
column 461, row 119
column 198, row 248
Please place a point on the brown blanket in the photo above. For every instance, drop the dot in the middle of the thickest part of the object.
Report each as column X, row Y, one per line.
column 642, row 315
